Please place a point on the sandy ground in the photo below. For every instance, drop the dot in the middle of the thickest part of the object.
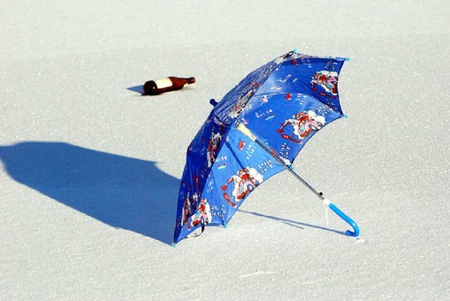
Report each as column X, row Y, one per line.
column 91, row 169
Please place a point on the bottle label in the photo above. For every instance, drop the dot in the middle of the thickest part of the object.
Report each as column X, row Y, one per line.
column 163, row 83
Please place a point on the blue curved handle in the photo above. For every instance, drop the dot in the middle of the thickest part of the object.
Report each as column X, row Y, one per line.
column 349, row 221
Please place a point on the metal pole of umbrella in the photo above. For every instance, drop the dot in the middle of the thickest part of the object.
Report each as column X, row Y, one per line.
column 243, row 129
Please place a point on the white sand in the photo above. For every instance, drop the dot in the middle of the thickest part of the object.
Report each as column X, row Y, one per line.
column 91, row 169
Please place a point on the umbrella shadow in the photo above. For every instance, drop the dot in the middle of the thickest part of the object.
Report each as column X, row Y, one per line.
column 292, row 223
column 119, row 191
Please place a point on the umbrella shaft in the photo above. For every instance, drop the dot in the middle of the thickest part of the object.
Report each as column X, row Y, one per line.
column 243, row 129
column 330, row 205
column 289, row 168
column 319, row 194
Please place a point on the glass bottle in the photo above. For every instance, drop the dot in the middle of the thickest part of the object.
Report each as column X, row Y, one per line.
column 171, row 83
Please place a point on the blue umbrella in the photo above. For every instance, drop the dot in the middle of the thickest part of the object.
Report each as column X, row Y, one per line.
column 254, row 132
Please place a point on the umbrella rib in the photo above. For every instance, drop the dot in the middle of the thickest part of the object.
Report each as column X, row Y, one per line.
column 306, row 94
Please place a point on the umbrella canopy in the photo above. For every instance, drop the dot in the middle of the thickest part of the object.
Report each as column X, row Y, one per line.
column 254, row 132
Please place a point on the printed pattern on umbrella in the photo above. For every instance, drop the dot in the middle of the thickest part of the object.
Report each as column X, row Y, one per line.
column 283, row 103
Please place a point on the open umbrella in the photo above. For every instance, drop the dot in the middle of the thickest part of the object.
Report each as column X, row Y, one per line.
column 254, row 132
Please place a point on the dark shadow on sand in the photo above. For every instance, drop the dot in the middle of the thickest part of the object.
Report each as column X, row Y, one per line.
column 119, row 191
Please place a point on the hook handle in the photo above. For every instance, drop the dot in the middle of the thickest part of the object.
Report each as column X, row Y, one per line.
column 348, row 220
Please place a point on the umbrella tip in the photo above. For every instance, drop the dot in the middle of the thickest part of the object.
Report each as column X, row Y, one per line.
column 294, row 51
column 345, row 116
column 347, row 59
column 213, row 102
column 174, row 245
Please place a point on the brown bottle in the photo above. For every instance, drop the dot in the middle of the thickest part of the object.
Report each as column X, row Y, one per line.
column 171, row 83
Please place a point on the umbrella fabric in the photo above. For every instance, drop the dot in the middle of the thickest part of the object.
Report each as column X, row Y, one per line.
column 283, row 104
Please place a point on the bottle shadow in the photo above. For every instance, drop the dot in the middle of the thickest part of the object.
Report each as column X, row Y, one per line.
column 119, row 191
column 139, row 89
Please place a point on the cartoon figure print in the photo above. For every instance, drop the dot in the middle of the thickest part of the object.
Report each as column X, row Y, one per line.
column 189, row 206
column 213, row 147
column 201, row 216
column 245, row 181
column 186, row 210
column 327, row 80
column 190, row 201
column 303, row 123
column 240, row 104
